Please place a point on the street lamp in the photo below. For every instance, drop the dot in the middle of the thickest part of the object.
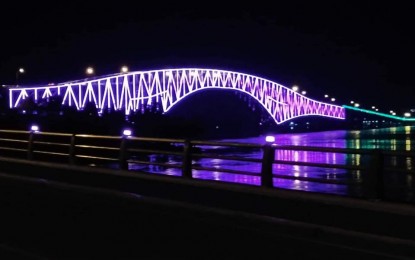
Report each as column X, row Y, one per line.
column 303, row 92
column 124, row 69
column 295, row 88
column 89, row 71
column 18, row 72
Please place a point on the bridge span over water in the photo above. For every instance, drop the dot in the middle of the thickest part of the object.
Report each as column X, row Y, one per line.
column 137, row 90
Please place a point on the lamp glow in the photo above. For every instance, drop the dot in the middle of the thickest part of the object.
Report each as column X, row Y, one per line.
column 124, row 69
column 407, row 114
column 34, row 128
column 270, row 139
column 21, row 70
column 303, row 92
column 295, row 88
column 89, row 71
column 126, row 132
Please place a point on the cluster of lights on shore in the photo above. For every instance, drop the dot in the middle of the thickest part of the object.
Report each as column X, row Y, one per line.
column 295, row 88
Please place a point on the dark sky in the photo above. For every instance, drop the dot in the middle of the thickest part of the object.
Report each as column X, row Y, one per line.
column 361, row 51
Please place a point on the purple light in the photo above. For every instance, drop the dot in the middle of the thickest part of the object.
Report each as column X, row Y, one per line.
column 134, row 91
column 126, row 132
column 270, row 139
column 34, row 128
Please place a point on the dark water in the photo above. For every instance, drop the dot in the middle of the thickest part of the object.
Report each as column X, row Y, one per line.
column 399, row 185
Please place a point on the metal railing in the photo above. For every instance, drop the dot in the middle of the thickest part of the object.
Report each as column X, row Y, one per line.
column 122, row 151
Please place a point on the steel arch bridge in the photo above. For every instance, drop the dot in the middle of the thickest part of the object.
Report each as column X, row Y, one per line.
column 136, row 90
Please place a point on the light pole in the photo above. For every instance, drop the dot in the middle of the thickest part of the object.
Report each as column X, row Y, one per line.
column 89, row 71
column 124, row 69
column 18, row 72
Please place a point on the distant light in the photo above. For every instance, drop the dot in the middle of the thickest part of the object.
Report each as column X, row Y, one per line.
column 34, row 128
column 89, row 70
column 407, row 114
column 126, row 132
column 124, row 69
column 303, row 92
column 352, row 102
column 356, row 104
column 373, row 107
column 326, row 96
column 333, row 99
column 377, row 109
column 391, row 111
column 270, row 139
column 21, row 70
column 295, row 88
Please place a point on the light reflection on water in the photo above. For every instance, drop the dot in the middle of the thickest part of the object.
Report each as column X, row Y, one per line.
column 395, row 139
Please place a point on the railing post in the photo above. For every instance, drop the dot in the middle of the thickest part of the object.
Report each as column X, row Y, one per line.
column 72, row 150
column 266, row 168
column 375, row 186
column 187, row 160
column 123, row 164
column 30, row 146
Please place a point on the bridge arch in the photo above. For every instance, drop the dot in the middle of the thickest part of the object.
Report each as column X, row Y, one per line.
column 135, row 90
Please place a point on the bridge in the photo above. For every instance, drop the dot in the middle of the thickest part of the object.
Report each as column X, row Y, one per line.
column 137, row 90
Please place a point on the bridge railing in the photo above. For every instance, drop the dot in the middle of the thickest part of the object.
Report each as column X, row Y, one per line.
column 140, row 153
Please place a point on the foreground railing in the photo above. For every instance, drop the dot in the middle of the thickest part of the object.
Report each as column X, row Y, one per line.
column 122, row 151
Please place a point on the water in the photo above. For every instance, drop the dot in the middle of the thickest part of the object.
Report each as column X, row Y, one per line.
column 399, row 186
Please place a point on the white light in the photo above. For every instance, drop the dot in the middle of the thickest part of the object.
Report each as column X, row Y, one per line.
column 89, row 70
column 21, row 70
column 326, row 96
column 303, row 92
column 269, row 139
column 352, row 102
column 124, row 69
column 127, row 132
column 373, row 107
column 407, row 114
column 391, row 111
column 377, row 109
column 356, row 104
column 34, row 128
column 295, row 88
column 333, row 99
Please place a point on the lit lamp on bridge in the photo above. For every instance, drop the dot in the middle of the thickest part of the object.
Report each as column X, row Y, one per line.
column 295, row 88
column 407, row 114
column 89, row 71
column 18, row 72
column 124, row 69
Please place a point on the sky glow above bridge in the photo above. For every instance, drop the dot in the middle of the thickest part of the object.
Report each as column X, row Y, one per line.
column 138, row 90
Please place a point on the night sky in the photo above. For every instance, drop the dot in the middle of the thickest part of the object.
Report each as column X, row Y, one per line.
column 362, row 51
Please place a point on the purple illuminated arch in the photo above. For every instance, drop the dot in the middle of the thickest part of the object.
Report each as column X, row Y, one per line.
column 137, row 90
